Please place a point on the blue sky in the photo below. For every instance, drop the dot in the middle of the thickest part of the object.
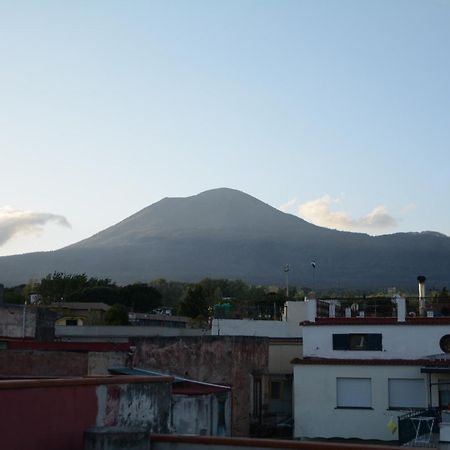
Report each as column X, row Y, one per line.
column 337, row 111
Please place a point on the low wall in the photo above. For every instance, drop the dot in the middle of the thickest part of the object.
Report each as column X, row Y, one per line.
column 114, row 333
column 58, row 363
column 53, row 414
column 174, row 442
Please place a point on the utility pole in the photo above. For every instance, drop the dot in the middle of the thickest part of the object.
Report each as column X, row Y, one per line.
column 286, row 270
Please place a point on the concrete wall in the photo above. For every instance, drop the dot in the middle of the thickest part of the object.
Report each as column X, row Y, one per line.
column 199, row 414
column 35, row 363
column 53, row 414
column 315, row 401
column 171, row 442
column 399, row 341
column 281, row 353
column 111, row 333
column 40, row 363
column 11, row 321
column 215, row 359
column 99, row 362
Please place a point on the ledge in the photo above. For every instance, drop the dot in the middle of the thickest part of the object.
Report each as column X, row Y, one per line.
column 266, row 443
column 88, row 381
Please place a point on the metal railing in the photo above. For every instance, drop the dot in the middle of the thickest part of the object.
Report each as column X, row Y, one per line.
column 417, row 433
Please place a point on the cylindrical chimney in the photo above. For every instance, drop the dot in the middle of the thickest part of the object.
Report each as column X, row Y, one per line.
column 421, row 279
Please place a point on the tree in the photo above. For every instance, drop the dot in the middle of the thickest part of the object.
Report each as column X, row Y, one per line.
column 117, row 315
column 194, row 304
column 140, row 297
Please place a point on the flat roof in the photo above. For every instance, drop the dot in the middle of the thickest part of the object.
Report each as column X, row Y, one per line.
column 377, row 321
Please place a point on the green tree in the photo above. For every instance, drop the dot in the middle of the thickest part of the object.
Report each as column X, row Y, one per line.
column 117, row 315
column 194, row 304
column 140, row 297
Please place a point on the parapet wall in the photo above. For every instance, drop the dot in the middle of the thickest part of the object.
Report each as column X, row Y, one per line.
column 53, row 414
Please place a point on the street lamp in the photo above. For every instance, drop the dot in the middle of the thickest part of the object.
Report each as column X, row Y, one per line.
column 286, row 270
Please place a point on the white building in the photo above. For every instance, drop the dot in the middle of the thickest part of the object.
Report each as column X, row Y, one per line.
column 359, row 374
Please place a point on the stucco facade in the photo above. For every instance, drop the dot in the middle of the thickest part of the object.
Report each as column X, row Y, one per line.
column 316, row 408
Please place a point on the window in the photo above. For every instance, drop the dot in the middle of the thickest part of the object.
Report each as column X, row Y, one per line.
column 358, row 341
column 353, row 392
column 406, row 393
column 444, row 393
column 71, row 322
column 275, row 390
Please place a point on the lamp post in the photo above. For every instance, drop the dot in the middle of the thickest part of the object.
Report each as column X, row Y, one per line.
column 313, row 265
column 286, row 270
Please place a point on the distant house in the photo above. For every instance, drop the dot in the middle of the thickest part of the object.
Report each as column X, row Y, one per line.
column 160, row 319
column 79, row 313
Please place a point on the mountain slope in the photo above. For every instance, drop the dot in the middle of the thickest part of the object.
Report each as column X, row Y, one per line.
column 226, row 233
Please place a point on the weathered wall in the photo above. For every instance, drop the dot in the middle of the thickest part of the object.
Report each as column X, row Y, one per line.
column 228, row 360
column 39, row 322
column 100, row 362
column 42, row 363
column 11, row 321
column 53, row 414
column 34, row 363
column 201, row 415
column 99, row 333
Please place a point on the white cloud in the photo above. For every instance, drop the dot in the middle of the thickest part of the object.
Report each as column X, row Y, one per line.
column 289, row 206
column 319, row 212
column 14, row 222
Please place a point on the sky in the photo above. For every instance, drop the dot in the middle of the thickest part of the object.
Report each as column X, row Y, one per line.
column 335, row 111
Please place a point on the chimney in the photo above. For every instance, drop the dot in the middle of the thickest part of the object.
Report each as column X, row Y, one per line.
column 401, row 307
column 421, row 279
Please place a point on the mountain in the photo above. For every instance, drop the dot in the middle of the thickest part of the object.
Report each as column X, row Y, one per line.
column 228, row 234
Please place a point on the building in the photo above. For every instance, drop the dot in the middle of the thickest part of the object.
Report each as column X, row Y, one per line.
column 285, row 343
column 359, row 376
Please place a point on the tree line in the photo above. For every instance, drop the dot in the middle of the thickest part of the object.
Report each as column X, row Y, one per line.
column 199, row 301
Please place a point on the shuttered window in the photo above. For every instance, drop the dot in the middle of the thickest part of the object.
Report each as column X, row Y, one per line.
column 406, row 393
column 353, row 392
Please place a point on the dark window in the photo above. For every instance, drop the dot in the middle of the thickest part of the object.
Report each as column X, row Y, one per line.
column 357, row 341
column 275, row 390
column 71, row 322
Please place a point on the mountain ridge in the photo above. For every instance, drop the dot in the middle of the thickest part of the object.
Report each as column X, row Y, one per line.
column 226, row 233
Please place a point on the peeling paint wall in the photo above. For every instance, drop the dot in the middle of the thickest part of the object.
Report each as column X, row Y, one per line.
column 208, row 415
column 135, row 405
column 229, row 360
column 46, row 417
